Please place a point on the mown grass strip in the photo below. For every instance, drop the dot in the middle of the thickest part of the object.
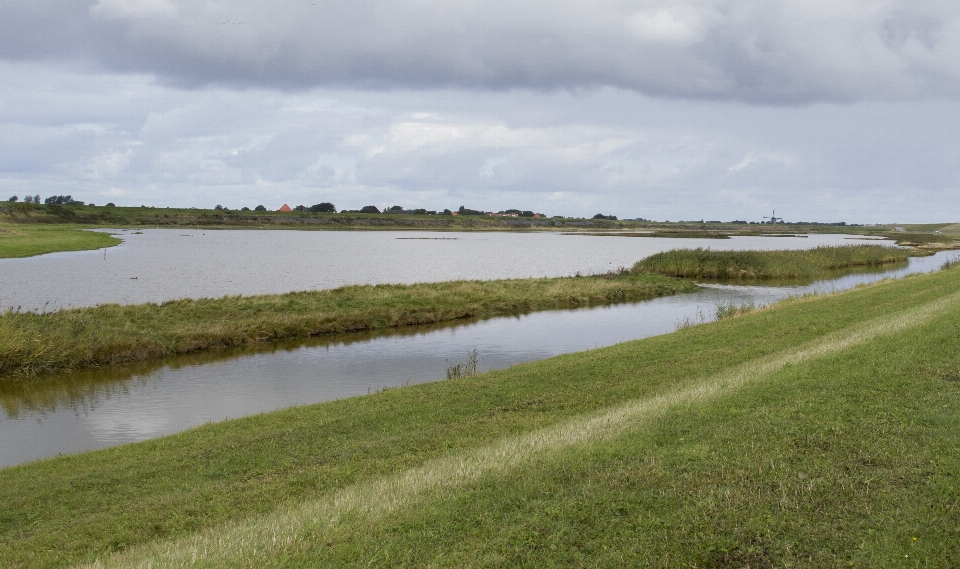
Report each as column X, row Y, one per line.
column 706, row 263
column 32, row 343
column 297, row 529
column 29, row 240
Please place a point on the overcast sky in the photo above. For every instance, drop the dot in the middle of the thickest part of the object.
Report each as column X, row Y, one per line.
column 827, row 111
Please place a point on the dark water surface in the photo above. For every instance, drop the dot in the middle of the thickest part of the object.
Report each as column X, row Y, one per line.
column 165, row 264
column 101, row 408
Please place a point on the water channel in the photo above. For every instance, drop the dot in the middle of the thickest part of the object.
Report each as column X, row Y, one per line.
column 106, row 407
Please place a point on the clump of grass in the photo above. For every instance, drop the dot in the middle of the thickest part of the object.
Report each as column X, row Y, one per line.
column 706, row 263
column 32, row 343
column 950, row 263
column 462, row 370
column 727, row 310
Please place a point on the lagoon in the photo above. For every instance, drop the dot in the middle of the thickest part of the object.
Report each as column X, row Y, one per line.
column 154, row 265
column 101, row 408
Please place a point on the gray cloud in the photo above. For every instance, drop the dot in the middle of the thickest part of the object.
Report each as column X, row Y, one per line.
column 759, row 51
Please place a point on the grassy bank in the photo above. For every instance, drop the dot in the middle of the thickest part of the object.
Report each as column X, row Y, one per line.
column 821, row 432
column 30, row 240
column 705, row 263
column 76, row 338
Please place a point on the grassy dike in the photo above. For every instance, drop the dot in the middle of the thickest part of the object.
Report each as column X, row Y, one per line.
column 706, row 263
column 30, row 240
column 818, row 433
column 31, row 343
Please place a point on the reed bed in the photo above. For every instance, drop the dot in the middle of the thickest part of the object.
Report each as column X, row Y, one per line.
column 781, row 264
column 32, row 343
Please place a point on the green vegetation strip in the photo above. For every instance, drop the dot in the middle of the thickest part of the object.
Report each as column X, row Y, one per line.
column 821, row 432
column 31, row 343
column 30, row 240
column 706, row 263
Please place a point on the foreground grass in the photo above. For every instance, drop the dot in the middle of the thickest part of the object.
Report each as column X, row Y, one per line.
column 30, row 240
column 71, row 339
column 821, row 432
column 705, row 263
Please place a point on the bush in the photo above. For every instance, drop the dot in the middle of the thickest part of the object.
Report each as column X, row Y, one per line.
column 323, row 207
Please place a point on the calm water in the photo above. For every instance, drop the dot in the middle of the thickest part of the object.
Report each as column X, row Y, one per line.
column 75, row 412
column 166, row 264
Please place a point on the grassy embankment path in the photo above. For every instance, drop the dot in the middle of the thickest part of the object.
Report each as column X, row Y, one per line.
column 30, row 240
column 32, row 344
column 706, row 263
column 820, row 432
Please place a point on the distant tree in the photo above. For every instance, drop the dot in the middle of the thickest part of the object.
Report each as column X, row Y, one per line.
column 36, row 198
column 526, row 214
column 609, row 217
column 323, row 207
column 244, row 208
column 420, row 211
column 300, row 207
column 447, row 212
column 13, row 199
column 28, row 199
column 111, row 204
column 260, row 208
column 218, row 207
column 369, row 209
column 513, row 211
column 61, row 200
column 465, row 211
column 396, row 208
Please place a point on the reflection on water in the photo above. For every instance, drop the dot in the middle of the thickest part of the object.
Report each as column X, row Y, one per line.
column 101, row 408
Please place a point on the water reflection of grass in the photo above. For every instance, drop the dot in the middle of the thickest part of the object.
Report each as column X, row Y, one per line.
column 33, row 344
column 723, row 445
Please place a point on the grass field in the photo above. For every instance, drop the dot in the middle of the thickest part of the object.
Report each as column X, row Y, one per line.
column 818, row 433
column 30, row 240
column 32, row 344
column 705, row 263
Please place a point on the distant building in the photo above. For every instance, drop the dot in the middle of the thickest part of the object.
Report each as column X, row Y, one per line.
column 284, row 207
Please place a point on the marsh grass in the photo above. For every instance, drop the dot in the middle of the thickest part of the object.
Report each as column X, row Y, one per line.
column 950, row 264
column 749, row 265
column 32, row 344
column 726, row 310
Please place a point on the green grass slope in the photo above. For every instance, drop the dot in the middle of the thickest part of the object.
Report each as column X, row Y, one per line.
column 821, row 432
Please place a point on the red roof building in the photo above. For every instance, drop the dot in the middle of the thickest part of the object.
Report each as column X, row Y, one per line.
column 284, row 207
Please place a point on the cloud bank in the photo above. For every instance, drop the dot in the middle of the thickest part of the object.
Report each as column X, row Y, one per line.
column 761, row 51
